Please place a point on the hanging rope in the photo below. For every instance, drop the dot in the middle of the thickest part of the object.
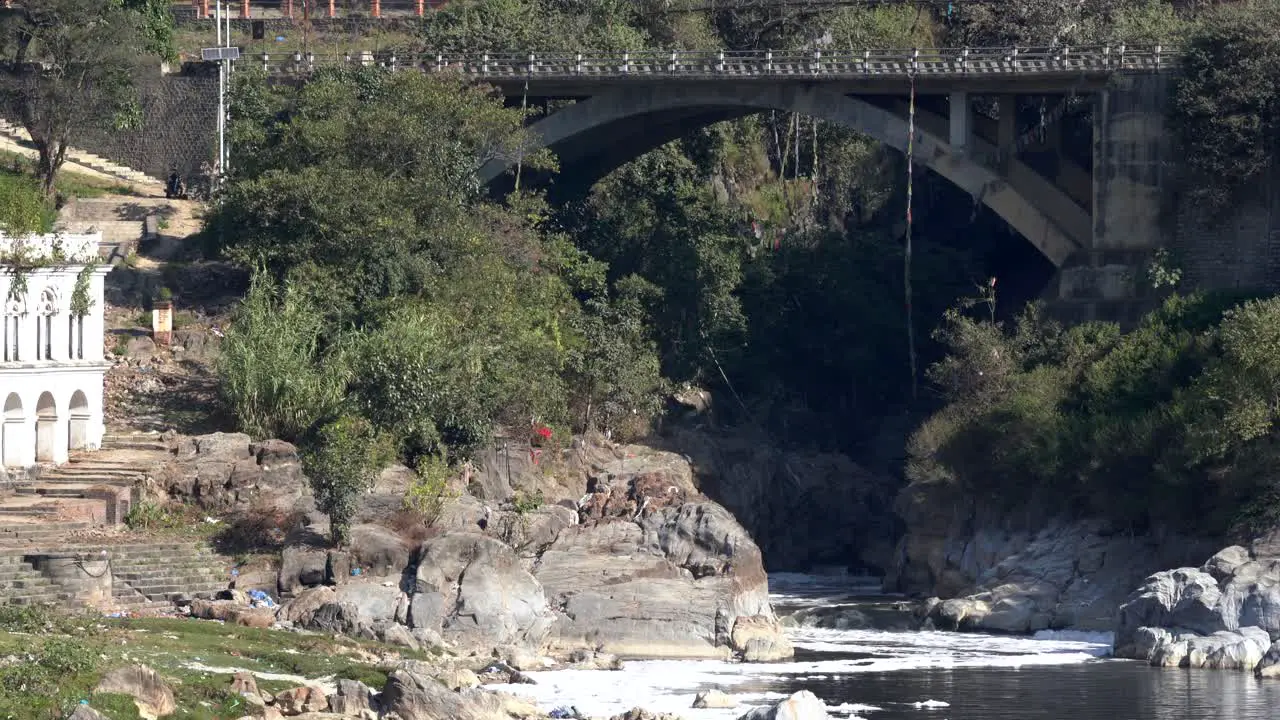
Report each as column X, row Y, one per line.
column 906, row 256
column 524, row 103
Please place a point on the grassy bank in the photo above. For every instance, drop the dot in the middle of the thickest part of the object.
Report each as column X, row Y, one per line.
column 50, row 663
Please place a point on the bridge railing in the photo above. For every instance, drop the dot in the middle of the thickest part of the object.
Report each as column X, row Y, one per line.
column 715, row 63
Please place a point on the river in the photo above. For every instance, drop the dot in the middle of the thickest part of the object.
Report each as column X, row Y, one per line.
column 867, row 671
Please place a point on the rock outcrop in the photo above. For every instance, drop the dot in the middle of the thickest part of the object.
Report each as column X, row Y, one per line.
column 638, row 563
column 227, row 472
column 1018, row 574
column 1223, row 615
column 656, row 569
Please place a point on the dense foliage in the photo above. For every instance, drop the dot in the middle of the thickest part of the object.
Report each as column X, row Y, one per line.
column 1226, row 101
column 1170, row 425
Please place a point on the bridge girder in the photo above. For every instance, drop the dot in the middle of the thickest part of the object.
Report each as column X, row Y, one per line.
column 1046, row 216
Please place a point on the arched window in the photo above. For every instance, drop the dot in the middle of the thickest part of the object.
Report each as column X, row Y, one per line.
column 12, row 325
column 45, row 310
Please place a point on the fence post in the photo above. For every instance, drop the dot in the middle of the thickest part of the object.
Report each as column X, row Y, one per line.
column 720, row 61
column 768, row 62
column 577, row 64
column 1158, row 57
column 1106, row 56
column 333, row 11
column 529, row 69
column 266, row 62
column 377, row 8
column 288, row 9
column 866, row 62
column 244, row 9
column 439, row 62
column 964, row 60
column 484, row 64
column 817, row 61
column 626, row 62
column 915, row 60
column 419, row 8
column 671, row 68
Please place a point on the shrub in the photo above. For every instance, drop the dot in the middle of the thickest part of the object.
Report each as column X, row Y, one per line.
column 1170, row 423
column 342, row 463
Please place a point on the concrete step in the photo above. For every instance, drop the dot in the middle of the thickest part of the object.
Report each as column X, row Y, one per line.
column 71, row 491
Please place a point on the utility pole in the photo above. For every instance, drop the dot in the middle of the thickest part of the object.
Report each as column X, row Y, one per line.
column 224, row 55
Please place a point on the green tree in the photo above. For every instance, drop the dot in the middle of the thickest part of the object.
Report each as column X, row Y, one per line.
column 67, row 65
column 616, row 372
column 342, row 463
column 1225, row 106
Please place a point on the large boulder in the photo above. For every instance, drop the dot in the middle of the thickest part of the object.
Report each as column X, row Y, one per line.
column 374, row 603
column 473, row 590
column 803, row 705
column 656, row 570
column 378, row 550
column 1184, row 598
column 153, row 697
column 416, row 697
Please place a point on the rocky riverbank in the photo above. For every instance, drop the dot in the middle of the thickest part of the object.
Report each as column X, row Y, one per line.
column 1019, row 572
column 595, row 548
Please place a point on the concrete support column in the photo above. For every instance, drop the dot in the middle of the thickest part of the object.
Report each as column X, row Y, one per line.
column 1006, row 129
column 960, row 120
column 1130, row 147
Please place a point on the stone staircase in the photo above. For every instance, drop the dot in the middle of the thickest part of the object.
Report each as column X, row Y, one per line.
column 18, row 135
column 158, row 573
column 22, row 584
column 93, row 484
column 122, row 221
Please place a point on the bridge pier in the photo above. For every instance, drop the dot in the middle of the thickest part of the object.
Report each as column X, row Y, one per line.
column 1130, row 148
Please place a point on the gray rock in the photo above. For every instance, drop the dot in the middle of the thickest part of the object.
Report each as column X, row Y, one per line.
column 301, row 567
column 1269, row 666
column 379, row 550
column 84, row 712
column 397, row 634
column 1185, row 598
column 375, row 603
column 341, row 618
column 803, row 705
column 1225, row 562
column 150, row 693
column 351, row 698
column 670, row 583
column 488, row 598
column 709, row 699
column 415, row 697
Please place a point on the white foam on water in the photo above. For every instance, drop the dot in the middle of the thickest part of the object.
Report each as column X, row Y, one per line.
column 671, row 685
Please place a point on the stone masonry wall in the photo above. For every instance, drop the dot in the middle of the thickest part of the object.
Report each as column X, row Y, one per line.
column 1238, row 248
column 179, row 124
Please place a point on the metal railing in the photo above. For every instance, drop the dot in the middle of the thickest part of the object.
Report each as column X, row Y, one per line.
column 944, row 62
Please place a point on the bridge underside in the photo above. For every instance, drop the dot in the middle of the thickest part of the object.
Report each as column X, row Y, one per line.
column 596, row 135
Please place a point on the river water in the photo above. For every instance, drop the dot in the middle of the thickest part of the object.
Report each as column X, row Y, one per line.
column 864, row 670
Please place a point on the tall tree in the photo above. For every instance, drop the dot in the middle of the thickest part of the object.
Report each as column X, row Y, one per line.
column 66, row 65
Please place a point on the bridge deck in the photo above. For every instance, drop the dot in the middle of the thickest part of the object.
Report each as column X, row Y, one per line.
column 1008, row 69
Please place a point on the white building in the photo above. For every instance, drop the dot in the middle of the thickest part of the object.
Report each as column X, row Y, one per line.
column 51, row 360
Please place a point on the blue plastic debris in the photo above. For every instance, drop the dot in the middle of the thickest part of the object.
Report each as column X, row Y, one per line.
column 561, row 713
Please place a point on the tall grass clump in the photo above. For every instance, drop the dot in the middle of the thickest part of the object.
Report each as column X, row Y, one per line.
column 279, row 377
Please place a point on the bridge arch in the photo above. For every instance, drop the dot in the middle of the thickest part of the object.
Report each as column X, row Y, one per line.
column 590, row 126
